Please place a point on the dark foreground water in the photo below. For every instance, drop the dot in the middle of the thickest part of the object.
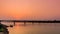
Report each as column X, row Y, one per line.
column 42, row 28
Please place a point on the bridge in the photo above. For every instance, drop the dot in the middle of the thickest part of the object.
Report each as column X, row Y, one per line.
column 31, row 21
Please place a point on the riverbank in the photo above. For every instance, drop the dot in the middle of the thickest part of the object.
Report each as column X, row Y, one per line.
column 3, row 29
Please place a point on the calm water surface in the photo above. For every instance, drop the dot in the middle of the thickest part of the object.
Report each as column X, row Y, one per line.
column 42, row 28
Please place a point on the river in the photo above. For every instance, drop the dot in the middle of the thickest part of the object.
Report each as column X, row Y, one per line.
column 42, row 28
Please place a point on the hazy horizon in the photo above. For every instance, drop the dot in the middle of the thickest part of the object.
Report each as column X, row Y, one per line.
column 30, row 9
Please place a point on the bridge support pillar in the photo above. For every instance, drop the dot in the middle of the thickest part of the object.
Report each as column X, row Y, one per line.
column 32, row 23
column 24, row 23
column 14, row 23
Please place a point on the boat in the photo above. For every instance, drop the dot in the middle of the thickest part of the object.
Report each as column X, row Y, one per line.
column 11, row 25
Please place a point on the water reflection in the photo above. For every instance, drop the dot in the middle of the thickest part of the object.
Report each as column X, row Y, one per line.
column 42, row 28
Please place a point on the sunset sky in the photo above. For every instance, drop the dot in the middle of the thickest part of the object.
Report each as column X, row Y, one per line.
column 30, row 9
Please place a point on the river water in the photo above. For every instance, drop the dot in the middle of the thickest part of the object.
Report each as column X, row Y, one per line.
column 42, row 28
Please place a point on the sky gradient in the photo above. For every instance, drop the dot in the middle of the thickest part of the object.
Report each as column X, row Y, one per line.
column 30, row 9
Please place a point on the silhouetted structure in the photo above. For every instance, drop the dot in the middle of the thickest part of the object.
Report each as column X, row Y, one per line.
column 4, row 29
column 31, row 21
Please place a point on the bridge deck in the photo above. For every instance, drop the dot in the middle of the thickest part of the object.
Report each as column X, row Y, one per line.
column 29, row 21
column 54, row 21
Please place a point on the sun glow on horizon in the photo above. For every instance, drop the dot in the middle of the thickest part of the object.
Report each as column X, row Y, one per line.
column 29, row 9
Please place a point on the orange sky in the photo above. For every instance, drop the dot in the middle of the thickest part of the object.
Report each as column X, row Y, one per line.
column 30, row 9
